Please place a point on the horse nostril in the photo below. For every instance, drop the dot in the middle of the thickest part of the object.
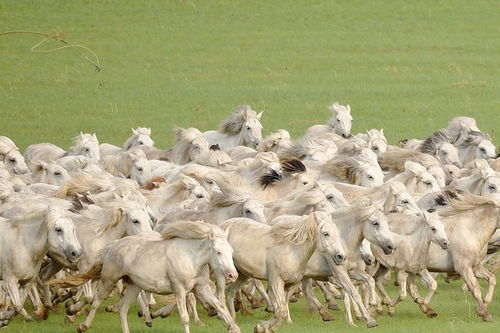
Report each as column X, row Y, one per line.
column 343, row 135
column 339, row 257
column 390, row 247
column 368, row 261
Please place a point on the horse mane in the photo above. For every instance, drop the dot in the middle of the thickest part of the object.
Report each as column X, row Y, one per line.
column 474, row 138
column 458, row 125
column 272, row 140
column 433, row 142
column 81, row 139
column 293, row 165
column 468, row 202
column 296, row 231
column 352, row 146
column 82, row 183
column 234, row 123
column 119, row 164
column 395, row 159
column 299, row 197
column 135, row 134
column 344, row 167
column 228, row 197
column 6, row 145
column 190, row 230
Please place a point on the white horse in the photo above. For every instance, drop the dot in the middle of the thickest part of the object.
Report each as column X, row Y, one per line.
column 130, row 164
column 242, row 128
column 198, row 244
column 459, row 128
column 84, row 144
column 392, row 195
column 417, row 179
column 24, row 242
column 361, row 169
column 469, row 223
column 282, row 256
column 340, row 123
column 141, row 136
column 483, row 180
column 356, row 222
column 48, row 173
column 413, row 236
column 11, row 157
column 476, row 145
column 375, row 140
column 438, row 145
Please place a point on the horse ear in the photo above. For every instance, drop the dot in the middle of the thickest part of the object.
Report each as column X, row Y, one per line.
column 117, row 215
column 382, row 131
column 484, row 168
column 414, row 167
column 226, row 233
column 135, row 132
column 348, row 107
column 94, row 135
column 334, row 107
column 365, row 203
column 38, row 165
column 81, row 135
column 260, row 114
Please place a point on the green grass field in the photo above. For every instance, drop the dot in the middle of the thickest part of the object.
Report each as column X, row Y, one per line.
column 405, row 66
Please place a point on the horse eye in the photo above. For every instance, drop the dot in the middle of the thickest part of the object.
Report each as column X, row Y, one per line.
column 326, row 234
column 375, row 148
column 139, row 169
column 305, row 183
column 199, row 196
column 248, row 128
column 217, row 252
column 329, row 197
column 370, row 177
column 58, row 230
column 248, row 212
column 210, row 182
column 433, row 229
column 482, row 150
column 140, row 143
column 135, row 221
column 338, row 120
column 405, row 202
column 12, row 160
column 445, row 153
column 492, row 187
column 87, row 149
column 57, row 173
column 196, row 146
column 427, row 182
column 375, row 223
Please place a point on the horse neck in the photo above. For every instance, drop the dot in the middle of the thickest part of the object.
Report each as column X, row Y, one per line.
column 200, row 252
column 35, row 239
column 421, row 239
column 480, row 226
column 467, row 154
column 221, row 214
column 350, row 227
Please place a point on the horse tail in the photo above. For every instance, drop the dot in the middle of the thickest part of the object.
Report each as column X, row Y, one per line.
column 78, row 279
column 403, row 142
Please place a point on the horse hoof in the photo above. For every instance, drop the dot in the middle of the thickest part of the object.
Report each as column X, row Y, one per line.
column 371, row 323
column 487, row 317
column 326, row 316
column 333, row 306
column 269, row 309
column 139, row 314
column 149, row 324
column 293, row 299
column 212, row 312
column 431, row 313
column 109, row 308
column 259, row 329
column 199, row 323
column 28, row 319
column 256, row 304
column 81, row 328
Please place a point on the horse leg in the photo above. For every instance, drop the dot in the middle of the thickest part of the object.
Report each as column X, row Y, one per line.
column 432, row 286
column 231, row 293
column 277, row 287
column 482, row 273
column 328, row 294
column 180, row 298
column 402, row 277
column 262, row 290
column 131, row 293
column 164, row 312
column 38, row 306
column 370, row 283
column 471, row 281
column 288, row 294
column 141, row 299
column 313, row 302
column 344, row 281
column 12, row 286
column 348, row 314
column 191, row 305
column 206, row 294
column 104, row 289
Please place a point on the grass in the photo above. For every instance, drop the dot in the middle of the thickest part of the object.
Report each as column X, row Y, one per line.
column 405, row 66
column 456, row 314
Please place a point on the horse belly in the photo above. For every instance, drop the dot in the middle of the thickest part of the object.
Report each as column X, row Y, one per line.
column 440, row 260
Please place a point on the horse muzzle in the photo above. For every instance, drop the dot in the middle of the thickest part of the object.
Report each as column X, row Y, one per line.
column 338, row 258
column 231, row 277
column 73, row 254
column 388, row 248
column 444, row 245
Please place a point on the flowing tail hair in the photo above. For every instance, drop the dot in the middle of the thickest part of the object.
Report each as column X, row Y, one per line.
column 78, row 279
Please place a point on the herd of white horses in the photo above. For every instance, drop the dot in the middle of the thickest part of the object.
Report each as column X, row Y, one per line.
column 221, row 211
